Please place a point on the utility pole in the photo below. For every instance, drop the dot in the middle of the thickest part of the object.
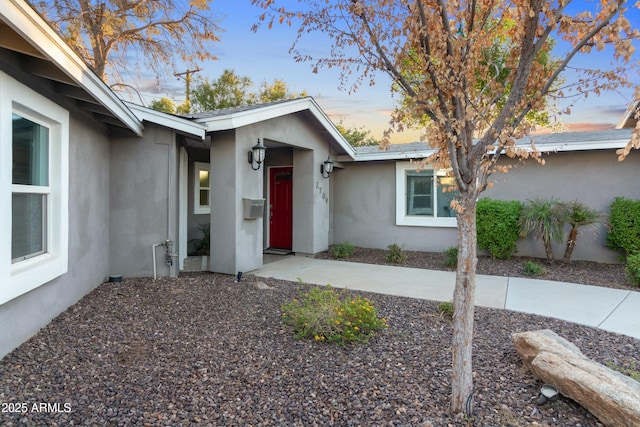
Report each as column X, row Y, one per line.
column 187, row 78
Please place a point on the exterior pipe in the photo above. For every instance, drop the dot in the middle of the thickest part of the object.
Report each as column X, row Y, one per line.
column 153, row 250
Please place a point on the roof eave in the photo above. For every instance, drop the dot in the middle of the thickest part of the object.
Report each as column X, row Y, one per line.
column 244, row 118
column 24, row 20
column 168, row 120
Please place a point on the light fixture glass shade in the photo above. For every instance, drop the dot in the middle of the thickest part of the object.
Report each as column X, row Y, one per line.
column 258, row 152
column 328, row 166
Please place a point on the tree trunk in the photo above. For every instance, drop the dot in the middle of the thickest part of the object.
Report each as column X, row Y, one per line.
column 463, row 303
column 548, row 248
column 571, row 244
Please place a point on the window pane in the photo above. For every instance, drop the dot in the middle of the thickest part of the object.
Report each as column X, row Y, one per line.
column 445, row 194
column 420, row 193
column 28, row 225
column 30, row 152
column 204, row 179
column 204, row 197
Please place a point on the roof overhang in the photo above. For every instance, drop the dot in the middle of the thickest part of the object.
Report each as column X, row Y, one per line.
column 237, row 119
column 40, row 41
column 547, row 143
column 179, row 124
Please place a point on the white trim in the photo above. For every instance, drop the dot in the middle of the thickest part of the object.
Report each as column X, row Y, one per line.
column 27, row 23
column 236, row 119
column 199, row 209
column 176, row 123
column 547, row 143
column 401, row 203
column 21, row 277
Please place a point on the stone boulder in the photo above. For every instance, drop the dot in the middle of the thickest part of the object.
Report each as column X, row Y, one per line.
column 612, row 397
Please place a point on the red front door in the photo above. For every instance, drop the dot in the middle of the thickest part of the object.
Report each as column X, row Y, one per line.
column 281, row 207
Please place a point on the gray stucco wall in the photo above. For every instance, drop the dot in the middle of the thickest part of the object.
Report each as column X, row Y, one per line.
column 594, row 178
column 88, row 240
column 363, row 199
column 143, row 201
column 237, row 243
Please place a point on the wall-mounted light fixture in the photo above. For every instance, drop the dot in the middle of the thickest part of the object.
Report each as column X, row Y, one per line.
column 256, row 155
column 326, row 168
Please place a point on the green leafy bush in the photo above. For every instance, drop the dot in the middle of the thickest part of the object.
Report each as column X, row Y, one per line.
column 324, row 314
column 497, row 226
column 446, row 309
column 396, row 255
column 451, row 257
column 633, row 269
column 530, row 268
column 624, row 230
column 342, row 250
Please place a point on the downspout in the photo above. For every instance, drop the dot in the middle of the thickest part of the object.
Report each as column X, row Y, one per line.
column 171, row 256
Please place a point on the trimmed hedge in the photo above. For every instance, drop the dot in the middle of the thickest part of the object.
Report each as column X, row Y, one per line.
column 624, row 230
column 497, row 226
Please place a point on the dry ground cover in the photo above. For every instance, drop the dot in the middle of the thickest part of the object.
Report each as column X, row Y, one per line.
column 204, row 350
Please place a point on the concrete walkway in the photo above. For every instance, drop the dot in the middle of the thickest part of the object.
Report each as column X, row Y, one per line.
column 609, row 309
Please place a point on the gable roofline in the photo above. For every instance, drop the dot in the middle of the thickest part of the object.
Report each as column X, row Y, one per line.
column 546, row 143
column 25, row 21
column 177, row 123
column 234, row 118
column 628, row 115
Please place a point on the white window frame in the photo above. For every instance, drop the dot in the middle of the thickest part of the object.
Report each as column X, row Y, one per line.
column 22, row 276
column 197, row 207
column 402, row 218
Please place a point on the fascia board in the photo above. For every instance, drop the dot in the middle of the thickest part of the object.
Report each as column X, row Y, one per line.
column 552, row 147
column 320, row 115
column 25, row 21
column 168, row 120
column 249, row 117
column 386, row 155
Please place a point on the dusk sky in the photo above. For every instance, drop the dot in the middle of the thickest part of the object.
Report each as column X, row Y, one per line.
column 264, row 56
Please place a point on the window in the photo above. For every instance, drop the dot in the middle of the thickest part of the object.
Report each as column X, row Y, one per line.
column 30, row 188
column 423, row 198
column 201, row 189
column 34, row 151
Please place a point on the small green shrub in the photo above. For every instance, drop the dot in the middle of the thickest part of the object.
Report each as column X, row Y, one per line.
column 497, row 224
column 446, row 309
column 451, row 257
column 396, row 255
column 323, row 314
column 532, row 269
column 342, row 250
column 630, row 372
column 624, row 230
column 633, row 269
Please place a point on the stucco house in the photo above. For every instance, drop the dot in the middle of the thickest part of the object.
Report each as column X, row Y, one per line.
column 92, row 187
column 382, row 191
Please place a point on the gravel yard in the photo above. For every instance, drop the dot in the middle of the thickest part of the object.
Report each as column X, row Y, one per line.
column 204, row 350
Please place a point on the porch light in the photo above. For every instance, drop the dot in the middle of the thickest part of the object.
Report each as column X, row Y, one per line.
column 256, row 155
column 326, row 168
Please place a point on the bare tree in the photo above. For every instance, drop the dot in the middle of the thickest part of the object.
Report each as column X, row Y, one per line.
column 106, row 33
column 439, row 54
